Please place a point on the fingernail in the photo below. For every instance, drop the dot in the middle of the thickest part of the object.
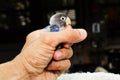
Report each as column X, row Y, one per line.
column 83, row 33
column 58, row 54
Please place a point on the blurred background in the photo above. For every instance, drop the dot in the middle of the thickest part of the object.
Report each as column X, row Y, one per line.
column 101, row 19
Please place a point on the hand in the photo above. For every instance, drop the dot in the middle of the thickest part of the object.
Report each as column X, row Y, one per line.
column 39, row 56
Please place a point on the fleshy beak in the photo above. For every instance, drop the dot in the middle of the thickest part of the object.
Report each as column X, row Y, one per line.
column 68, row 21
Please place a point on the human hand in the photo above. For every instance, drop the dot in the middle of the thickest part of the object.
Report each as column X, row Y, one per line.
column 39, row 56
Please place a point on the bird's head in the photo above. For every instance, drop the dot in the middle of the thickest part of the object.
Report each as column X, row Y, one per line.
column 60, row 19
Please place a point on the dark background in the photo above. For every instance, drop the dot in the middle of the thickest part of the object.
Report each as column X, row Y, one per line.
column 101, row 19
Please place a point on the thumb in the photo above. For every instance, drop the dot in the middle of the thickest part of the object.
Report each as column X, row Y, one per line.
column 67, row 36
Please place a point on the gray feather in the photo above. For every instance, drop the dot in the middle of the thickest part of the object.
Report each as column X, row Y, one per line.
column 58, row 19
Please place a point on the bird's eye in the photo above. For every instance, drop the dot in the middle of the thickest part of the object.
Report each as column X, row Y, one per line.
column 63, row 18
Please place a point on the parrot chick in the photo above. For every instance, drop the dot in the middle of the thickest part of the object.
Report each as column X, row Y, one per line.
column 58, row 22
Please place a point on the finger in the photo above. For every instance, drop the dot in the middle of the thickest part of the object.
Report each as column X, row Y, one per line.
column 59, row 65
column 63, row 54
column 65, row 36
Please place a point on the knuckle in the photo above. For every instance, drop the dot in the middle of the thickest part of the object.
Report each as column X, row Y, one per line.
column 70, row 53
column 68, row 64
column 67, row 53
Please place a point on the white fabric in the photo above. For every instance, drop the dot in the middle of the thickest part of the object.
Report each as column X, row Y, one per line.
column 89, row 76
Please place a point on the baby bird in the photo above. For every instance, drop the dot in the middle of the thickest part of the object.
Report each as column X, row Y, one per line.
column 58, row 22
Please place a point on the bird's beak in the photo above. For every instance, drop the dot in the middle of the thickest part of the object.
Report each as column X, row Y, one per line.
column 68, row 21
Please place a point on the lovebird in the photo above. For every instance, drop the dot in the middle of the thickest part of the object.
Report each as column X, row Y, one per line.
column 58, row 22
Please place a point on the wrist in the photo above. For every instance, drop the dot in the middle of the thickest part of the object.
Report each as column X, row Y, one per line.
column 19, row 69
column 12, row 71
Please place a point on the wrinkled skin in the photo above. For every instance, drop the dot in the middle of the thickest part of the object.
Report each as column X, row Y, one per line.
column 39, row 57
